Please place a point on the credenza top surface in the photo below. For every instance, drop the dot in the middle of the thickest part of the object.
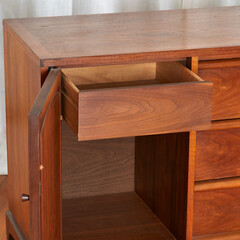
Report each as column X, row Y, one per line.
column 168, row 33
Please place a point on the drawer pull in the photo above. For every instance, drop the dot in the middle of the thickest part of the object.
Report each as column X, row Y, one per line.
column 25, row 197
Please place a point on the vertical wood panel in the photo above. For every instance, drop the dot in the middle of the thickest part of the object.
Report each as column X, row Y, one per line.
column 161, row 178
column 45, row 160
column 22, row 83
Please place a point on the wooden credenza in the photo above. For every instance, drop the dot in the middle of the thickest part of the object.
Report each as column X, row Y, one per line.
column 124, row 126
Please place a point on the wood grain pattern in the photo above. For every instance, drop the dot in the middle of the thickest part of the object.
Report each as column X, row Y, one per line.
column 141, row 110
column 22, row 83
column 161, row 178
column 222, row 63
column 190, row 185
column 225, row 124
column 96, row 167
column 131, row 37
column 216, row 211
column 114, row 216
column 45, row 151
column 192, row 64
column 221, row 236
column 3, row 206
column 114, row 73
column 217, row 154
column 233, row 182
column 144, row 110
column 226, row 85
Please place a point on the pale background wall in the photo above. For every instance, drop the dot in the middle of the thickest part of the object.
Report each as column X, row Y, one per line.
column 41, row 8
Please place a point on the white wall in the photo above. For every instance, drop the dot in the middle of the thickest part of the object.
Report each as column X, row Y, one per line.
column 41, row 8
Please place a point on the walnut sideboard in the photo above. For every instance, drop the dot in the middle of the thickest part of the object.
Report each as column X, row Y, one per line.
column 124, row 126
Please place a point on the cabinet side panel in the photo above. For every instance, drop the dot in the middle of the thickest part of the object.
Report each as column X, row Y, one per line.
column 22, row 83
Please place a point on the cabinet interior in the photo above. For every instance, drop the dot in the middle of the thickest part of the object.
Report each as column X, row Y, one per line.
column 107, row 194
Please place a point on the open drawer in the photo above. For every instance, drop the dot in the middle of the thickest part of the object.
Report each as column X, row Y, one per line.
column 135, row 99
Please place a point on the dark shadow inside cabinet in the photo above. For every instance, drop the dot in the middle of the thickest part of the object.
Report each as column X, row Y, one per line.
column 120, row 188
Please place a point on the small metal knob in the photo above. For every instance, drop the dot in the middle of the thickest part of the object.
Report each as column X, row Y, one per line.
column 25, row 197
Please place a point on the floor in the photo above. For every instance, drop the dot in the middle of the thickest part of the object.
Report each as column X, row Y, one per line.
column 3, row 206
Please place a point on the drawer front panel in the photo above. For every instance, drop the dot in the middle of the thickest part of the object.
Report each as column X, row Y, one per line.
column 226, row 88
column 216, row 211
column 217, row 154
column 144, row 110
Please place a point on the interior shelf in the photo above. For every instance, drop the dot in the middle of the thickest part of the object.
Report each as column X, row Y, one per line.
column 115, row 216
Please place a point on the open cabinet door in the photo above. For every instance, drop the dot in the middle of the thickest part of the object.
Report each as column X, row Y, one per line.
column 45, row 161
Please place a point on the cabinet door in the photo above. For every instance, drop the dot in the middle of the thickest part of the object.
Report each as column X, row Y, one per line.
column 45, row 160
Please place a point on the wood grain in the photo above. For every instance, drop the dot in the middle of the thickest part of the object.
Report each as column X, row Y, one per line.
column 221, row 236
column 3, row 206
column 22, row 83
column 96, row 167
column 222, row 63
column 225, row 124
column 190, row 185
column 161, row 178
column 216, row 211
column 218, row 154
column 109, row 74
column 114, row 216
column 45, row 160
column 233, row 182
column 192, row 64
column 131, row 37
column 141, row 110
column 226, row 85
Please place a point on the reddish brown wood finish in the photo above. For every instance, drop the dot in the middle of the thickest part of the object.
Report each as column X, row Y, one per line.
column 161, row 178
column 192, row 64
column 225, row 124
column 13, row 230
column 22, row 83
column 226, row 85
column 45, row 160
column 96, row 167
column 140, row 110
column 218, row 154
column 221, row 236
column 222, row 63
column 3, row 206
column 115, row 216
column 216, row 211
column 131, row 37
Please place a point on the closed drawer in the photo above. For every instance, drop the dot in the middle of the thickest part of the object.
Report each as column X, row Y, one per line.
column 225, row 76
column 217, row 154
column 216, row 207
column 132, row 100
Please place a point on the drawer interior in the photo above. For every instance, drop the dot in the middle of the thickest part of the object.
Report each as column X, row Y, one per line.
column 134, row 99
column 127, row 75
